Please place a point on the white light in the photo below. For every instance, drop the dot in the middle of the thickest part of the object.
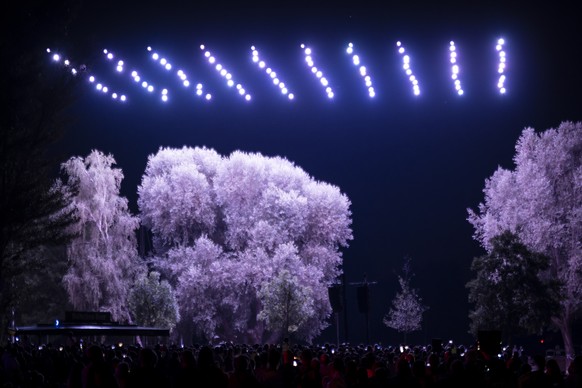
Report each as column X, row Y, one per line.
column 208, row 96
column 349, row 50
column 319, row 74
column 284, row 90
column 150, row 88
column 134, row 73
column 207, row 54
column 67, row 63
column 109, row 56
column 114, row 95
column 255, row 58
column 228, row 76
column 199, row 86
column 241, row 91
column 363, row 71
column 149, row 48
column 291, row 96
column 105, row 89
column 74, row 71
column 168, row 66
column 501, row 41
column 211, row 59
column 356, row 60
column 186, row 83
column 230, row 82
column 223, row 72
column 268, row 71
column 308, row 51
column 164, row 91
column 164, row 98
column 91, row 79
column 123, row 98
column 262, row 64
column 137, row 78
column 401, row 50
column 502, row 90
column 119, row 69
column 201, row 47
column 330, row 95
column 218, row 67
column 248, row 97
column 199, row 92
column 144, row 84
column 56, row 57
column 99, row 86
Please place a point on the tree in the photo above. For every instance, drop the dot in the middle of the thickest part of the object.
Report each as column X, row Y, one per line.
column 508, row 293
column 152, row 302
column 34, row 99
column 541, row 202
column 224, row 227
column 405, row 315
column 103, row 256
column 286, row 304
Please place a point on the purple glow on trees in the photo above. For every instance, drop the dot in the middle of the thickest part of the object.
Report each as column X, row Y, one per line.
column 224, row 227
column 103, row 257
column 541, row 202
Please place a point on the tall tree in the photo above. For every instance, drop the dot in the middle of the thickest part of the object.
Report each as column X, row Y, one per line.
column 508, row 293
column 225, row 226
column 33, row 97
column 405, row 315
column 103, row 256
column 540, row 200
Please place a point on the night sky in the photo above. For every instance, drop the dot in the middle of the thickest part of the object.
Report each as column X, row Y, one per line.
column 411, row 166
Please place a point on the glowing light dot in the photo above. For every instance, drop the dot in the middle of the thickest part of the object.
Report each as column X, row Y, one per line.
column 223, row 72
column 91, row 79
column 207, row 54
column 248, row 97
column 109, row 56
column 208, row 96
column 186, row 83
column 123, row 98
column 114, row 95
column 211, row 59
column 150, row 88
column 199, row 86
column 99, row 86
column 202, row 47
column 56, row 57
column 308, row 51
column 262, row 64
column 119, row 69
column 164, row 98
column 164, row 91
column 291, row 96
column 199, row 92
column 230, row 82
column 144, row 84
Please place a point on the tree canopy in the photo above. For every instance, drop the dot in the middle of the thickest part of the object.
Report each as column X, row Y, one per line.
column 540, row 201
column 224, row 228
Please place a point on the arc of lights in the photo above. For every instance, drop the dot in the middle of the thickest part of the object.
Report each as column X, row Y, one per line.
column 407, row 69
column 501, row 65
column 136, row 77
column 318, row 73
column 363, row 71
column 225, row 73
column 98, row 86
column 180, row 73
column 455, row 68
column 271, row 73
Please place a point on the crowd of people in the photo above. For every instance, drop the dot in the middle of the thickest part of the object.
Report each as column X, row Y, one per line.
column 229, row 365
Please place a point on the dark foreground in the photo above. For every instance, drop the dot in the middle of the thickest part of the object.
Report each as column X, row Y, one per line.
column 264, row 366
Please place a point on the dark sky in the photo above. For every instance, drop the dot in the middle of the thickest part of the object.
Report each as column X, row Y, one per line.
column 410, row 165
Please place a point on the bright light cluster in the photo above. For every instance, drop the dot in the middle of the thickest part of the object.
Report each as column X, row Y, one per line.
column 271, row 73
column 136, row 77
column 407, row 69
column 501, row 66
column 362, row 68
column 98, row 85
column 455, row 68
column 315, row 71
column 180, row 73
column 224, row 73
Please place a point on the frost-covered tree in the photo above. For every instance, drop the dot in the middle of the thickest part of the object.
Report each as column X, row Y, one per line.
column 224, row 227
column 541, row 202
column 405, row 315
column 152, row 302
column 103, row 258
column 508, row 293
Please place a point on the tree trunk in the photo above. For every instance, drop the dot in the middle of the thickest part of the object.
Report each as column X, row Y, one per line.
column 565, row 326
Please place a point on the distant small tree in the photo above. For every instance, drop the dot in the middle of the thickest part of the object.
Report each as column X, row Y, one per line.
column 405, row 315
column 287, row 304
column 152, row 302
column 508, row 291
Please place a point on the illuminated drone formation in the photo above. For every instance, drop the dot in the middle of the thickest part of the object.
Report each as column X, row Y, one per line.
column 136, row 77
column 362, row 68
column 318, row 73
column 501, row 66
column 225, row 73
column 168, row 67
column 98, row 85
column 271, row 73
column 407, row 69
column 455, row 68
column 180, row 73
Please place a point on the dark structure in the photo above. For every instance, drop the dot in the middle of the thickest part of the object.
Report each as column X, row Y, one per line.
column 88, row 323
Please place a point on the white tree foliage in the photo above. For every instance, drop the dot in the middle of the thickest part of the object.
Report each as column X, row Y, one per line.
column 103, row 258
column 225, row 227
column 405, row 315
column 541, row 202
